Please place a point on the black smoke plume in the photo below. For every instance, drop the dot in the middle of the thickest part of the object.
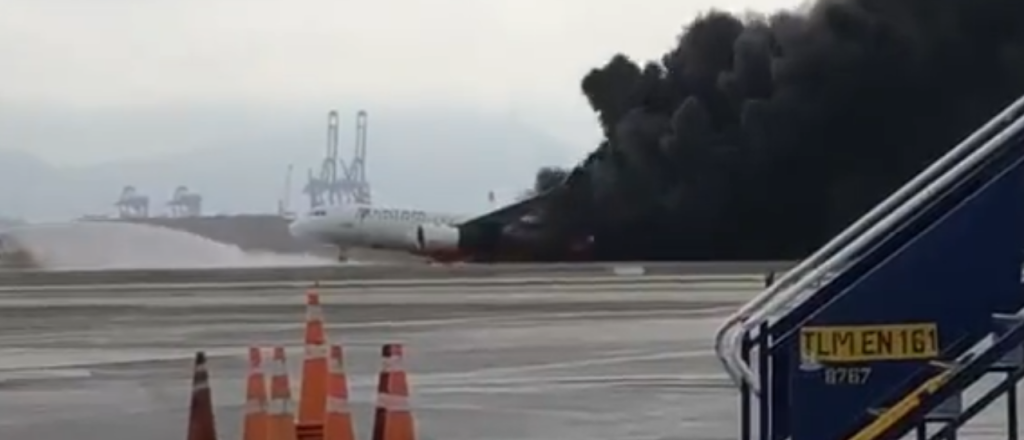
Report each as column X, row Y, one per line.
column 760, row 137
column 548, row 178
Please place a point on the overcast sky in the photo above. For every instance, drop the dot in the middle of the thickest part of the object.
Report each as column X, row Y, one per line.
column 524, row 58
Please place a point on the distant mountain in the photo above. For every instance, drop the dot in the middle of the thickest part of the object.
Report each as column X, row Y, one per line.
column 443, row 160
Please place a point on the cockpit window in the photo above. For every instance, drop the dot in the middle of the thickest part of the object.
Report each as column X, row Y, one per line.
column 318, row 213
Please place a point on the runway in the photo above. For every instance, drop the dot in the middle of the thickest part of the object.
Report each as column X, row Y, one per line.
column 583, row 362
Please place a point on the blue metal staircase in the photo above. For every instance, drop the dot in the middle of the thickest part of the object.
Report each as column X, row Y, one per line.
column 879, row 333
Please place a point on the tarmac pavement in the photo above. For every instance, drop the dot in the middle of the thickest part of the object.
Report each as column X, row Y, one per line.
column 606, row 363
column 573, row 366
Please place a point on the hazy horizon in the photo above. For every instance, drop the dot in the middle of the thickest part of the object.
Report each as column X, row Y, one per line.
column 92, row 86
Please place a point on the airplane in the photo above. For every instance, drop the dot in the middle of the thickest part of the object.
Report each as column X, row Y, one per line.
column 365, row 226
column 446, row 238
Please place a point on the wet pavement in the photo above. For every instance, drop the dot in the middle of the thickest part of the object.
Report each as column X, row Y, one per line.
column 628, row 364
column 601, row 363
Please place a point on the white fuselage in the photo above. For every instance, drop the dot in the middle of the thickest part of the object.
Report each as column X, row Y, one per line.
column 367, row 226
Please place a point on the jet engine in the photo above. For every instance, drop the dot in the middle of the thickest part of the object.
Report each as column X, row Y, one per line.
column 436, row 238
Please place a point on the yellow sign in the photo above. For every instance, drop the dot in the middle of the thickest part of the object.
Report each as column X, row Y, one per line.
column 865, row 343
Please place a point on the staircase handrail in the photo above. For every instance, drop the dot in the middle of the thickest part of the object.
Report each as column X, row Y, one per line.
column 862, row 232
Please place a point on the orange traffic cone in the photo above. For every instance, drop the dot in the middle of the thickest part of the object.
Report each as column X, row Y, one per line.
column 201, row 425
column 339, row 418
column 282, row 421
column 257, row 423
column 313, row 396
column 393, row 419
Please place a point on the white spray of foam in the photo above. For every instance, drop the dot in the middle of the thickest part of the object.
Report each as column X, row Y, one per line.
column 117, row 245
